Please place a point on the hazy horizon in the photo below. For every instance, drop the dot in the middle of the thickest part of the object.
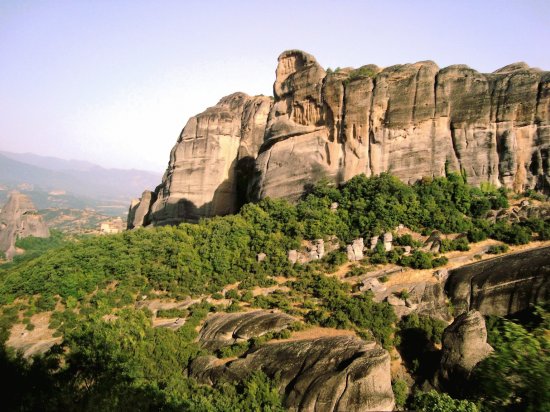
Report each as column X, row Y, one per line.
column 113, row 83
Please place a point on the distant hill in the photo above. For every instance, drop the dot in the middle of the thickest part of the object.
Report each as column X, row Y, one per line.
column 54, row 182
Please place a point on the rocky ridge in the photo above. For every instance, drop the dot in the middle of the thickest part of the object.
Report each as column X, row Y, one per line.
column 19, row 219
column 413, row 120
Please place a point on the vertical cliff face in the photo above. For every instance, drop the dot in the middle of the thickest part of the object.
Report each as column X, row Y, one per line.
column 213, row 153
column 18, row 219
column 412, row 120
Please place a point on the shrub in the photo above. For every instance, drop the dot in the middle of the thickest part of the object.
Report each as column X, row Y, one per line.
column 496, row 249
column 400, row 392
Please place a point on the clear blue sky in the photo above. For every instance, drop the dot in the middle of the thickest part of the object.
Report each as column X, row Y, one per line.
column 114, row 82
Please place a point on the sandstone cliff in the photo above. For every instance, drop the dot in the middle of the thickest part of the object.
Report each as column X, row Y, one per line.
column 18, row 219
column 413, row 120
column 208, row 168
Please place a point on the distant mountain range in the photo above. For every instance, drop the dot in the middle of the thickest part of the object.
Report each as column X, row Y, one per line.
column 55, row 182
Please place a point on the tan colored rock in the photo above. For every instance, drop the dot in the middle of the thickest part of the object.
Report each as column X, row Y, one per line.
column 19, row 219
column 412, row 120
column 215, row 149
column 138, row 214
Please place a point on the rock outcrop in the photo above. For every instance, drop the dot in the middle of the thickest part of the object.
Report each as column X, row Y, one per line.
column 464, row 345
column 339, row 373
column 413, row 120
column 209, row 166
column 138, row 214
column 19, row 219
column 502, row 285
column 225, row 329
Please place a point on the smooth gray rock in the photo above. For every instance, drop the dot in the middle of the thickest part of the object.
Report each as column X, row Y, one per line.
column 503, row 285
column 225, row 329
column 340, row 373
column 464, row 345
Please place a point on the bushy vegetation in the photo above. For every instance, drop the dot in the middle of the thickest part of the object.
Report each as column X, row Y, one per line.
column 516, row 376
column 433, row 401
column 125, row 364
column 416, row 339
column 118, row 361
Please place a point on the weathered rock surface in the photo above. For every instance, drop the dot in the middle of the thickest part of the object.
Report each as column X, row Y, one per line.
column 355, row 250
column 464, row 346
column 413, row 120
column 19, row 219
column 209, row 165
column 340, row 373
column 502, row 285
column 225, row 329
column 138, row 215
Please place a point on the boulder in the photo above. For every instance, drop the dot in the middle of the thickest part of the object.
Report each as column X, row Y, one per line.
column 293, row 256
column 388, row 239
column 373, row 241
column 433, row 243
column 464, row 345
column 260, row 257
column 337, row 373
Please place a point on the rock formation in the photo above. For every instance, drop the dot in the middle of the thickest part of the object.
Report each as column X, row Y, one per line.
column 18, row 219
column 413, row 120
column 502, row 285
column 209, row 165
column 464, row 346
column 338, row 373
column 225, row 329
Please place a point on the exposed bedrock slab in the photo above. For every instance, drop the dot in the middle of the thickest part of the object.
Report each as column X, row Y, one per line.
column 340, row 373
column 502, row 285
column 224, row 329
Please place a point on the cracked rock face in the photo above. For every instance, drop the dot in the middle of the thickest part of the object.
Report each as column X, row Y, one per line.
column 18, row 219
column 503, row 285
column 340, row 373
column 412, row 120
column 225, row 329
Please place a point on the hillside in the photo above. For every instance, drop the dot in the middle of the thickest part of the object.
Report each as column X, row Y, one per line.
column 53, row 182
column 339, row 302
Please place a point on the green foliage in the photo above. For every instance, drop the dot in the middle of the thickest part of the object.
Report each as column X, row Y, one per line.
column 497, row 249
column 34, row 247
column 338, row 310
column 400, row 392
column 433, row 401
column 520, row 361
column 460, row 244
column 172, row 313
column 416, row 339
column 407, row 240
